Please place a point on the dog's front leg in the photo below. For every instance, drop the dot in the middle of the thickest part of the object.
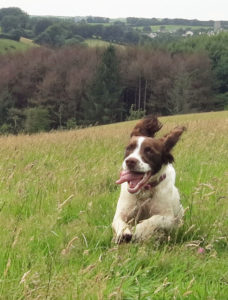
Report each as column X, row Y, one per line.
column 125, row 206
column 146, row 228
column 122, row 230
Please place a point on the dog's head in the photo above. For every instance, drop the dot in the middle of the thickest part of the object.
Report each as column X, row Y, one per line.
column 145, row 155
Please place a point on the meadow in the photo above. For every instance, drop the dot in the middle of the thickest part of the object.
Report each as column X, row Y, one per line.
column 176, row 27
column 96, row 43
column 58, row 197
column 7, row 46
column 172, row 28
column 100, row 43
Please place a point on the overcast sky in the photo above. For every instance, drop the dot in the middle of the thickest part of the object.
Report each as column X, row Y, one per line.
column 188, row 9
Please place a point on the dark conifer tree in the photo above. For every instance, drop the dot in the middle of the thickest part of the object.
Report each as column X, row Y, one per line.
column 103, row 104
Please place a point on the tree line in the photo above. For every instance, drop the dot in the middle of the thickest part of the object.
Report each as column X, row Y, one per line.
column 44, row 88
column 56, row 32
column 133, row 21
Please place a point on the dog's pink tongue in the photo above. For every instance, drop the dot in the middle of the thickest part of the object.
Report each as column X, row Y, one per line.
column 129, row 176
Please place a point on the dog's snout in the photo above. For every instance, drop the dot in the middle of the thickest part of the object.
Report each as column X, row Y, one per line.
column 131, row 163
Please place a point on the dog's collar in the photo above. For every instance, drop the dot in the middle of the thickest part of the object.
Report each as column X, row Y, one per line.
column 155, row 182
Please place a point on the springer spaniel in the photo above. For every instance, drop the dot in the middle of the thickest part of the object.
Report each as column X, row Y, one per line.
column 148, row 200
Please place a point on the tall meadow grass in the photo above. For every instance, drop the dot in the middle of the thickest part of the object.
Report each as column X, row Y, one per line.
column 58, row 198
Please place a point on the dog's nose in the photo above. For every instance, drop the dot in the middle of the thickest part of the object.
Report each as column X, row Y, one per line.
column 131, row 163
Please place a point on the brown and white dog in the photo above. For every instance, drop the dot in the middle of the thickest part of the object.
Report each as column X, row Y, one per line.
column 148, row 199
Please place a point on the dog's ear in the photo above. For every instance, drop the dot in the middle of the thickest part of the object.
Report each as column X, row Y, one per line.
column 147, row 127
column 170, row 139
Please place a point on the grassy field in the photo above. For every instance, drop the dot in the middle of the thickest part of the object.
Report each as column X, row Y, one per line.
column 12, row 46
column 58, row 198
column 99, row 43
column 156, row 28
column 96, row 43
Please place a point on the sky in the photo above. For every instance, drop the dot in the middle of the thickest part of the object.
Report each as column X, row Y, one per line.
column 187, row 9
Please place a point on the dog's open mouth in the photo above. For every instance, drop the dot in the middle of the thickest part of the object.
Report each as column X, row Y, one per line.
column 136, row 180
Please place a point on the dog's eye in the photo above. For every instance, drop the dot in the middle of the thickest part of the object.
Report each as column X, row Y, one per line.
column 148, row 150
column 130, row 148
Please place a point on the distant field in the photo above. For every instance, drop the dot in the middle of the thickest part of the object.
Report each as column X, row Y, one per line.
column 99, row 43
column 58, row 197
column 96, row 43
column 155, row 28
column 27, row 41
column 11, row 46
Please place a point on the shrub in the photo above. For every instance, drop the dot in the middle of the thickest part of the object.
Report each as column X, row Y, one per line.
column 135, row 114
column 37, row 119
column 71, row 123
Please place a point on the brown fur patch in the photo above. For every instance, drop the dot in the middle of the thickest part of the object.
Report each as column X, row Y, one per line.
column 169, row 141
column 151, row 153
column 131, row 146
column 172, row 138
column 147, row 127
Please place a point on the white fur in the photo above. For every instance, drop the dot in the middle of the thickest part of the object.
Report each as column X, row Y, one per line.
column 164, row 201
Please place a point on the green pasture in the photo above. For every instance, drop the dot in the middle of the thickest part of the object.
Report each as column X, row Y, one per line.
column 99, row 43
column 7, row 46
column 58, row 197
column 156, row 28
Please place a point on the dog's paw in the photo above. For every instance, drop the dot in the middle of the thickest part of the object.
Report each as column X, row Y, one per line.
column 124, row 237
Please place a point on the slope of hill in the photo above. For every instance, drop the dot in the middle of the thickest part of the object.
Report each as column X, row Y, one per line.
column 12, row 46
column 58, row 198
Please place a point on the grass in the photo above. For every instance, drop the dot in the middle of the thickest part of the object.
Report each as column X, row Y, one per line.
column 99, row 43
column 58, row 198
column 28, row 42
column 156, row 28
column 12, row 46
column 96, row 43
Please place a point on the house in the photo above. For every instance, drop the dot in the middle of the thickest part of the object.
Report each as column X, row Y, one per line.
column 188, row 33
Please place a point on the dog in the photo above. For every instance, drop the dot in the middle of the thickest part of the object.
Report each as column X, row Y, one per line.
column 149, row 200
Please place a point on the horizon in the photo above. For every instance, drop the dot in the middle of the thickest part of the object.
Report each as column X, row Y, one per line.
column 203, row 10
column 117, row 18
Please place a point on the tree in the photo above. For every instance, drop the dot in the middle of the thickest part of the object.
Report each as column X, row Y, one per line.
column 103, row 103
column 6, row 102
column 37, row 119
column 16, row 118
column 42, row 24
column 147, row 29
column 13, row 18
column 9, row 23
column 54, row 35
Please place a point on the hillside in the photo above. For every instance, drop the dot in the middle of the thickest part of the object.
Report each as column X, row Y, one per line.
column 12, row 46
column 58, row 198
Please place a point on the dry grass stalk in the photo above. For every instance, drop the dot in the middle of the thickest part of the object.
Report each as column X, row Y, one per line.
column 164, row 284
column 191, row 283
column 192, row 245
column 186, row 209
column 65, row 202
column 69, row 246
column 209, row 194
column 12, row 246
column 207, row 185
column 23, row 278
column 7, row 267
column 85, row 240
column 88, row 269
column 190, row 228
column 187, row 293
column 16, row 237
